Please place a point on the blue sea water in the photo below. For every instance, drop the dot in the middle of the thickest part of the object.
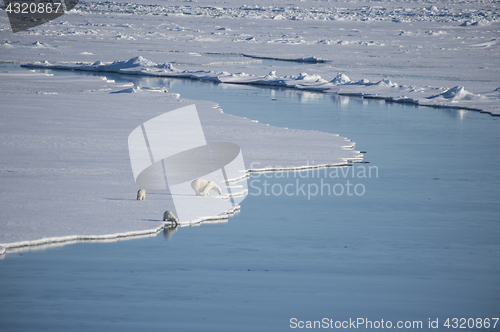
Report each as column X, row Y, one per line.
column 417, row 241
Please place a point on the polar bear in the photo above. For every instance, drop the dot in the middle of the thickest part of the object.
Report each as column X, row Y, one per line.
column 203, row 186
column 169, row 216
column 141, row 194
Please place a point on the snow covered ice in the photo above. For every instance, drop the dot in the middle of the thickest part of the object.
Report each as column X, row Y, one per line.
column 444, row 54
column 441, row 54
column 415, row 250
column 67, row 176
column 423, row 48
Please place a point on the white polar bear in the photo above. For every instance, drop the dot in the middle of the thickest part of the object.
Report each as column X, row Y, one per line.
column 141, row 194
column 169, row 216
column 203, row 186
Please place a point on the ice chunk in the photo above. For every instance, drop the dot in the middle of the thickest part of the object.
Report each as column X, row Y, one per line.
column 311, row 78
column 455, row 93
column 341, row 79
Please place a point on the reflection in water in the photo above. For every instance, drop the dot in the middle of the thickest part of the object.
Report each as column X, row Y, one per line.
column 461, row 114
column 307, row 97
column 169, row 230
column 343, row 101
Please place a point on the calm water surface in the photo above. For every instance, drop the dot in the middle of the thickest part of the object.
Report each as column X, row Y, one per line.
column 421, row 242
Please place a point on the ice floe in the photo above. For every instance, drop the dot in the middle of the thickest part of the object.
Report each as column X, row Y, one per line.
column 391, row 11
column 82, row 161
column 456, row 97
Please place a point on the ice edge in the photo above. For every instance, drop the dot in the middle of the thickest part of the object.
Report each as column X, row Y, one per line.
column 143, row 67
column 6, row 247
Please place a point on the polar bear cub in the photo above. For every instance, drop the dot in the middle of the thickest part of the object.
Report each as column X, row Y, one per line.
column 141, row 194
column 203, row 186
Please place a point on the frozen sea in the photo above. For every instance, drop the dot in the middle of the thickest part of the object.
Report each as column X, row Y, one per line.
column 420, row 242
